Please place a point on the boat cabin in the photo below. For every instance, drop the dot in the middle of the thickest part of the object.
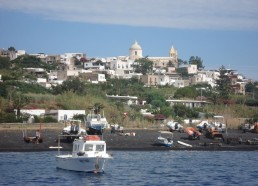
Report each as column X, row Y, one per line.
column 89, row 147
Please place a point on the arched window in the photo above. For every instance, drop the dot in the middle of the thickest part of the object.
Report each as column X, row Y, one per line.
column 135, row 53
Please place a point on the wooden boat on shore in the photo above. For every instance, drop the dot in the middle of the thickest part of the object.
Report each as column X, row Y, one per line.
column 31, row 139
column 214, row 134
column 192, row 133
column 88, row 155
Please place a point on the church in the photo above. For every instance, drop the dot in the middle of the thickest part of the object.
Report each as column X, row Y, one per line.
column 136, row 52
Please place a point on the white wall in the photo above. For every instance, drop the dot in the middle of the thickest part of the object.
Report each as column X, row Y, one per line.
column 35, row 112
column 68, row 114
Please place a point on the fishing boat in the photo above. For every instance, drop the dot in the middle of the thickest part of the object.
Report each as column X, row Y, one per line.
column 88, row 155
column 72, row 131
column 165, row 141
column 174, row 126
column 192, row 133
column 219, row 123
column 95, row 123
column 31, row 139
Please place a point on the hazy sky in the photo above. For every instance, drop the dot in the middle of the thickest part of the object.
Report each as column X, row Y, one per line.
column 221, row 32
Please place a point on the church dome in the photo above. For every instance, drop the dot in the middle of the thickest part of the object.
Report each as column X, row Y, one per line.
column 136, row 46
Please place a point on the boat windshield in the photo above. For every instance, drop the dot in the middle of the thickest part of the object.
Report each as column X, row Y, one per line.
column 99, row 148
column 88, row 147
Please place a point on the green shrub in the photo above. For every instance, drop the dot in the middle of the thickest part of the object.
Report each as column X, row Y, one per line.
column 49, row 119
column 9, row 118
column 252, row 102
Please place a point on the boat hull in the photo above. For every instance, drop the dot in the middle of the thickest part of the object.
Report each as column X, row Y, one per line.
column 193, row 133
column 95, row 130
column 164, row 142
column 82, row 164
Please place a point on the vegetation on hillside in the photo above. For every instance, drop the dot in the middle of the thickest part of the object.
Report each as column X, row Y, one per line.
column 18, row 91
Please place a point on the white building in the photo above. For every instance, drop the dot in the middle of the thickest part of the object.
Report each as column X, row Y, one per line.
column 65, row 115
column 208, row 77
column 93, row 65
column 130, row 100
column 181, row 83
column 67, row 57
column 122, row 64
column 20, row 53
column 33, row 112
column 191, row 69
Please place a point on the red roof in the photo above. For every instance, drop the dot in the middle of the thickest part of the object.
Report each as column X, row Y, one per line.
column 160, row 117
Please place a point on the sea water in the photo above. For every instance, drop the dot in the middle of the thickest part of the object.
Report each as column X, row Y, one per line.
column 136, row 168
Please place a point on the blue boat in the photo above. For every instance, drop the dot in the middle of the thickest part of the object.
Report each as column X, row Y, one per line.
column 95, row 123
column 165, row 141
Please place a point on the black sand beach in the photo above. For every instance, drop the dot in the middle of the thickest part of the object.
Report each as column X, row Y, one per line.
column 11, row 140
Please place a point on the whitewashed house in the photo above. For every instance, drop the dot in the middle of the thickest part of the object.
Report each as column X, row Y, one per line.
column 64, row 115
column 33, row 112
column 67, row 58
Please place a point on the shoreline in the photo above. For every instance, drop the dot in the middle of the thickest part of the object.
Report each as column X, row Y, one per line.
column 11, row 140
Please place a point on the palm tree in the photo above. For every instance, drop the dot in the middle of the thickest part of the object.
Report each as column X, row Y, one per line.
column 96, row 107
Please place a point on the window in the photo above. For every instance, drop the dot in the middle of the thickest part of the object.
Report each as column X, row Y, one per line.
column 135, row 53
column 75, row 147
column 88, row 147
column 99, row 147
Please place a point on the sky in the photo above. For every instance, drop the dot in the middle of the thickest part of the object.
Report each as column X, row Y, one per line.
column 220, row 32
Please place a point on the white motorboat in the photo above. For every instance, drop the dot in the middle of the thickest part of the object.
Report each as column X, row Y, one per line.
column 174, row 126
column 117, row 128
column 217, row 123
column 203, row 125
column 88, row 155
column 165, row 141
column 73, row 130
column 96, row 123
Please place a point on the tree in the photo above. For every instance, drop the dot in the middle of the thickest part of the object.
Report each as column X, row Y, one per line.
column 27, row 61
column 213, row 97
column 74, row 85
column 83, row 60
column 143, row 65
column 250, row 87
column 186, row 92
column 11, row 49
column 4, row 63
column 17, row 100
column 97, row 107
column 170, row 64
column 77, row 62
column 183, row 72
column 196, row 61
column 181, row 62
column 151, row 96
column 223, row 84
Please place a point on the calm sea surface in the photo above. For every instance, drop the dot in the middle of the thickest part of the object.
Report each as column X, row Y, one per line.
column 136, row 168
